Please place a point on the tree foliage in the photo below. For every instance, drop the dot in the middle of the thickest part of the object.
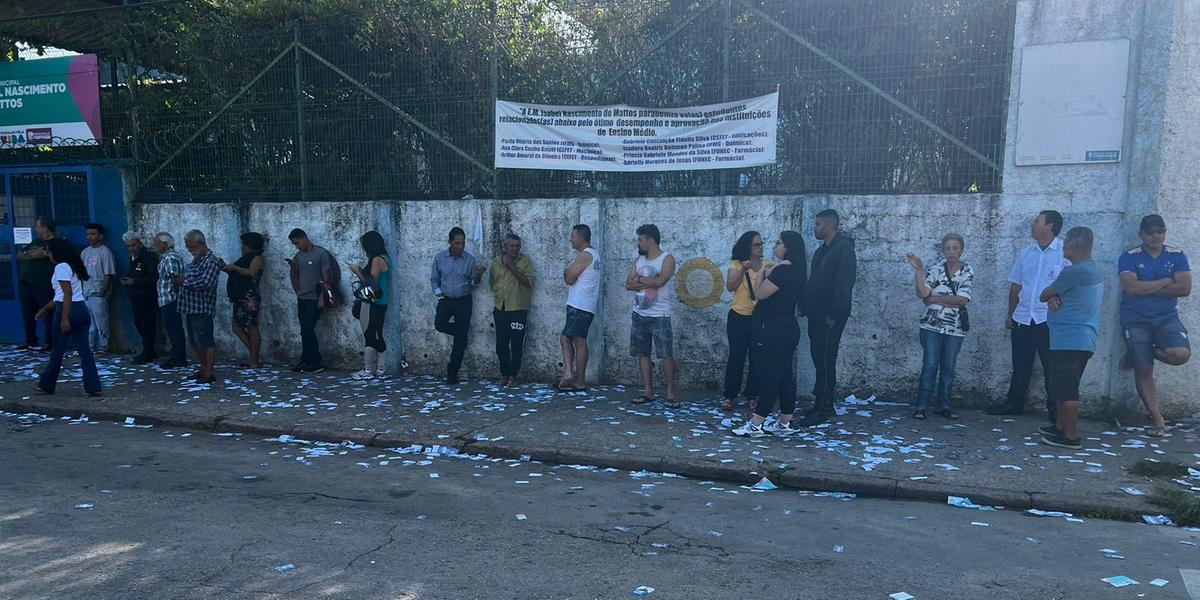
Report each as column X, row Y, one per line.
column 433, row 60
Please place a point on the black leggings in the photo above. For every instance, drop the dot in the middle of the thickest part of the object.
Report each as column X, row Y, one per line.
column 775, row 342
column 370, row 316
column 739, row 330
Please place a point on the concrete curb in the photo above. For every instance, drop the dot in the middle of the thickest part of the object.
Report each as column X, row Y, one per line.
column 866, row 485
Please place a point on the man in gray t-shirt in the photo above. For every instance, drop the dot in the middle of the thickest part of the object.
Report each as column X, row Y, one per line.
column 101, row 268
column 310, row 272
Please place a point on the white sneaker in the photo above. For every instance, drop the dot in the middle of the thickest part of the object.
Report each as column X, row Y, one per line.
column 778, row 427
column 380, row 373
column 750, row 429
column 364, row 374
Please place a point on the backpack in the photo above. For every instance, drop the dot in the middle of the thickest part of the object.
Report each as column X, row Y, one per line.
column 333, row 295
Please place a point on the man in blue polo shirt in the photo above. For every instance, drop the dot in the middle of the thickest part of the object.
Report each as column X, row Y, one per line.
column 1074, row 301
column 1153, row 277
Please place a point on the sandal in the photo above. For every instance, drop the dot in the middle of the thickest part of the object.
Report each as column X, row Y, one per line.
column 727, row 404
column 920, row 414
column 566, row 385
column 1156, row 432
column 948, row 414
column 752, row 403
column 674, row 403
column 642, row 400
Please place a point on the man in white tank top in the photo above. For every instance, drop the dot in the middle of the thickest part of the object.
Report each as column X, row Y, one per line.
column 582, row 277
column 651, row 328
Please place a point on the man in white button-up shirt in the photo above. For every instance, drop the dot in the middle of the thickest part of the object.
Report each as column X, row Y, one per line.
column 1037, row 266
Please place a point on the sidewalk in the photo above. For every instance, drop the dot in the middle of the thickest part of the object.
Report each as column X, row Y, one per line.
column 872, row 448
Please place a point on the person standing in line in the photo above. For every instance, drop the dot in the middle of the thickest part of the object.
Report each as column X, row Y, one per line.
column 511, row 280
column 1074, row 300
column 945, row 289
column 170, row 265
column 71, row 315
column 34, row 286
column 102, row 268
column 775, row 337
column 375, row 277
column 583, row 279
column 650, row 329
column 198, row 302
column 454, row 276
column 242, row 289
column 141, row 285
column 1036, row 266
column 745, row 271
column 1153, row 278
column 827, row 301
column 310, row 270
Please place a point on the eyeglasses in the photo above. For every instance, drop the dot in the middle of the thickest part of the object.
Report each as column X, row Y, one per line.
column 757, row 245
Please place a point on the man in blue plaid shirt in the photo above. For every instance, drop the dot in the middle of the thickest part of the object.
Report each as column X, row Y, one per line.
column 198, row 302
column 170, row 264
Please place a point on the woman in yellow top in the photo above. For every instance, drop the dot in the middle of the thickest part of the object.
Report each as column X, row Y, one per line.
column 744, row 272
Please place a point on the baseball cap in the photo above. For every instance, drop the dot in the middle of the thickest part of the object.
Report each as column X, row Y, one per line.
column 1152, row 222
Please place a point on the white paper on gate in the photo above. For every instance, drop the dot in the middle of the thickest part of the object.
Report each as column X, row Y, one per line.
column 620, row 137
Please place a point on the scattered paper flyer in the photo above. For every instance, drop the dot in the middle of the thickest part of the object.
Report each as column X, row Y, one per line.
column 1119, row 581
column 765, row 484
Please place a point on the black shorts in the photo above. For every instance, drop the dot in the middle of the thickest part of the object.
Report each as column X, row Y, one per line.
column 1066, row 370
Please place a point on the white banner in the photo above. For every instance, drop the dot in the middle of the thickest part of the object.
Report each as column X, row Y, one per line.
column 629, row 138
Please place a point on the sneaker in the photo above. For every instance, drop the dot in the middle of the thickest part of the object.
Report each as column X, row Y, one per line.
column 778, row 427
column 312, row 369
column 364, row 374
column 750, row 429
column 380, row 373
column 1050, row 430
column 1061, row 441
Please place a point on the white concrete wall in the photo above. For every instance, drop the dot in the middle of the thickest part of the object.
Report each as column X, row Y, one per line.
column 880, row 353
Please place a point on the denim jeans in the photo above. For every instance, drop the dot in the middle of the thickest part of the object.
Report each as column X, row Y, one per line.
column 80, row 322
column 937, row 368
column 173, row 323
column 98, row 333
column 308, row 313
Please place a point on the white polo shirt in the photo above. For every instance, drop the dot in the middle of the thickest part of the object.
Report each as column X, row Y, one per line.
column 1034, row 271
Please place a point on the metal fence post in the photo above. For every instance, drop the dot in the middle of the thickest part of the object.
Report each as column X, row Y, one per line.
column 302, row 148
column 726, row 34
column 495, row 94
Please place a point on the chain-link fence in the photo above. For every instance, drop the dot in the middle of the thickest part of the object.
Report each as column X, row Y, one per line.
column 876, row 96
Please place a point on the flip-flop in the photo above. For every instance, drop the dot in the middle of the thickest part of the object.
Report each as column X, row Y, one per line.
column 566, row 385
column 674, row 403
column 727, row 404
column 1155, row 432
column 642, row 400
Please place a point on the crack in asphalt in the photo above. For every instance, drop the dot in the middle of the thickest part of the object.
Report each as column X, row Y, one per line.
column 637, row 547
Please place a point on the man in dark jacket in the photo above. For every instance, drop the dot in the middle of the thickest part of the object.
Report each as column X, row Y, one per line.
column 827, row 299
column 141, row 284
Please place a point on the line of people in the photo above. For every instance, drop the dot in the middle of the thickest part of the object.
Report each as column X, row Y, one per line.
column 1055, row 298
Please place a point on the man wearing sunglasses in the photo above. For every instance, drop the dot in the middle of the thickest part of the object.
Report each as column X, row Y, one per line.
column 1153, row 277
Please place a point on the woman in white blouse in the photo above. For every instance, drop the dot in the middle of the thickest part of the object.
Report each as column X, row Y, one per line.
column 945, row 288
column 70, row 316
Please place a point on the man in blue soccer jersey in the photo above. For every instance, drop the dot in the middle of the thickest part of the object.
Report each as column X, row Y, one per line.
column 1153, row 277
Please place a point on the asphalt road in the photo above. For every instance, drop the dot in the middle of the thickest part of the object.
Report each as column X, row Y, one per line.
column 189, row 514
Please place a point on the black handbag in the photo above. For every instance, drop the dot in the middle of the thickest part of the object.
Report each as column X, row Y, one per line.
column 365, row 291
